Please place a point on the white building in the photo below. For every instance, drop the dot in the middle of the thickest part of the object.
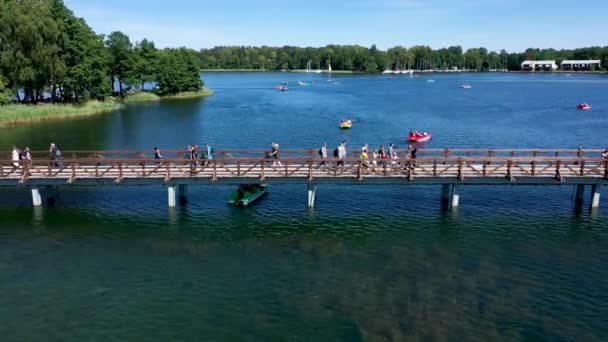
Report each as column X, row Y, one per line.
column 538, row 66
column 581, row 64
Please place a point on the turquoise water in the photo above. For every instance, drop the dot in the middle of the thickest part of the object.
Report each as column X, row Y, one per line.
column 369, row 263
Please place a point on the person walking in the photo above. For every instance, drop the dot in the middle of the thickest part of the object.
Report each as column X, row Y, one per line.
column 209, row 153
column 323, row 154
column 157, row 154
column 55, row 155
column 391, row 150
column 382, row 155
column 342, row 153
column 363, row 156
column 275, row 154
column 193, row 157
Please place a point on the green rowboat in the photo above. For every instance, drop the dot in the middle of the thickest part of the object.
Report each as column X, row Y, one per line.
column 247, row 194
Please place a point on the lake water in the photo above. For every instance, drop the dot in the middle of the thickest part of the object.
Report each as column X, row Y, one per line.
column 369, row 263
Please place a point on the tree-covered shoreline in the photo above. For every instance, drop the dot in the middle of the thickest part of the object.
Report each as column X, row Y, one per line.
column 47, row 54
column 372, row 60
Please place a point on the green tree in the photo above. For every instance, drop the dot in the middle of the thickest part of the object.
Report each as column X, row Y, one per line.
column 6, row 93
column 121, row 58
column 145, row 62
column 84, row 58
column 178, row 71
column 29, row 49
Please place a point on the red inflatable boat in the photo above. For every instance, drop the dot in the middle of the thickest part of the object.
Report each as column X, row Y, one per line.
column 419, row 137
column 583, row 106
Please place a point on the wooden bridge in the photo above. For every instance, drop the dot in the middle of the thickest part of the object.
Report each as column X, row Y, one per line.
column 449, row 168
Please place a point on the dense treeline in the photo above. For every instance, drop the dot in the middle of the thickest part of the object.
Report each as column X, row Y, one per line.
column 48, row 53
column 362, row 59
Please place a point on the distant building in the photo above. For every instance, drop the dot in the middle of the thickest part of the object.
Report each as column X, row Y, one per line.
column 577, row 65
column 538, row 66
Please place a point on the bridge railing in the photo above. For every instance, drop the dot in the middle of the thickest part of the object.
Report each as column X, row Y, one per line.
column 313, row 152
column 303, row 163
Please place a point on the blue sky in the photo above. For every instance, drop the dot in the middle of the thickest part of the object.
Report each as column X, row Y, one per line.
column 510, row 24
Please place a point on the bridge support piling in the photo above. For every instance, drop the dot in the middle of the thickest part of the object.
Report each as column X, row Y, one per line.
column 36, row 199
column 171, row 196
column 455, row 196
column 445, row 196
column 182, row 191
column 52, row 195
column 580, row 193
column 595, row 196
column 312, row 194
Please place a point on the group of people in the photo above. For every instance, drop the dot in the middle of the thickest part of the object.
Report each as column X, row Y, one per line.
column 191, row 154
column 378, row 157
column 19, row 155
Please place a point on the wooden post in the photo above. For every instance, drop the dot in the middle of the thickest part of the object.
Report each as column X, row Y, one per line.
column 460, row 175
column 310, row 162
column 558, row 174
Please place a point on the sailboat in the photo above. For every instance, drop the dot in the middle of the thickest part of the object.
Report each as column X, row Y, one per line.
column 318, row 71
column 407, row 70
column 387, row 70
column 308, row 66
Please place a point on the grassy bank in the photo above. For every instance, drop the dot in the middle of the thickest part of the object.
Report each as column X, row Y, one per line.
column 139, row 97
column 143, row 97
column 189, row 94
column 20, row 113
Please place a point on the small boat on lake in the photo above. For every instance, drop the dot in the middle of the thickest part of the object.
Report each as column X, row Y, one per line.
column 247, row 194
column 419, row 137
column 302, row 84
column 345, row 124
column 583, row 106
column 283, row 88
column 466, row 86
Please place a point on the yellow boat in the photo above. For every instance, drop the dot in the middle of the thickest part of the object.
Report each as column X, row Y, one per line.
column 346, row 124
